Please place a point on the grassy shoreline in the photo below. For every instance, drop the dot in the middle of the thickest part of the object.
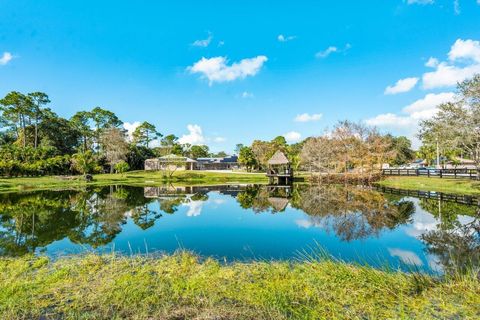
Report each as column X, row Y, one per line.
column 454, row 186
column 148, row 178
column 183, row 287
column 140, row 178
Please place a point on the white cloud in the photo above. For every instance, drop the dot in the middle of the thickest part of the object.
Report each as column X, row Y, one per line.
column 304, row 223
column 408, row 122
column 432, row 62
column 217, row 70
column 130, row 127
column 325, row 53
column 402, row 85
column 463, row 63
column 6, row 58
column 456, row 7
column 465, row 49
column 219, row 139
column 427, row 106
column 306, row 117
column 390, row 120
column 448, row 75
column 407, row 257
column 423, row 2
column 332, row 49
column 194, row 136
column 292, row 136
column 246, row 95
column 204, row 42
column 283, row 38
column 194, row 208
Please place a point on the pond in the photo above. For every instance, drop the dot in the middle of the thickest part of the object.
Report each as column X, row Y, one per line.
column 245, row 222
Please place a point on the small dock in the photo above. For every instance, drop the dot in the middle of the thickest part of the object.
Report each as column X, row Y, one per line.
column 279, row 171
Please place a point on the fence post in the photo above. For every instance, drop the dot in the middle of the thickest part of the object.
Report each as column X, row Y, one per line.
column 441, row 173
column 416, row 171
column 428, row 173
column 455, row 173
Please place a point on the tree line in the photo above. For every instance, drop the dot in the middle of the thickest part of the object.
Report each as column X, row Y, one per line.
column 453, row 133
column 34, row 140
column 347, row 147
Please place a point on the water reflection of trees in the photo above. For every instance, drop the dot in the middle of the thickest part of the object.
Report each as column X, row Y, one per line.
column 455, row 240
column 93, row 217
column 352, row 213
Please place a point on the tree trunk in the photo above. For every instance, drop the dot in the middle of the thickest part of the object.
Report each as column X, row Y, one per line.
column 24, row 132
column 36, row 132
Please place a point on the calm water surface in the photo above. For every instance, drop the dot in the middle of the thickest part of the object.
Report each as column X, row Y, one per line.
column 243, row 223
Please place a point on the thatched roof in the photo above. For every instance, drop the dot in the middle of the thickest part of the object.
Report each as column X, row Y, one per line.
column 278, row 158
column 279, row 204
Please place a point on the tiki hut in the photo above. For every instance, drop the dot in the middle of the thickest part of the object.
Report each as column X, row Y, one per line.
column 278, row 204
column 279, row 169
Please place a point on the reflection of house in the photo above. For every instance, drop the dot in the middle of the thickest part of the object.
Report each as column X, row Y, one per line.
column 157, row 192
column 226, row 163
column 170, row 162
column 279, row 169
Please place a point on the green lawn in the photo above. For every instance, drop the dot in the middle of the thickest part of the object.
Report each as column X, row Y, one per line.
column 130, row 178
column 457, row 186
column 182, row 287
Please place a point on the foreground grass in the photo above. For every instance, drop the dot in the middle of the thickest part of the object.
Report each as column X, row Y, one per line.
column 130, row 178
column 181, row 287
column 457, row 186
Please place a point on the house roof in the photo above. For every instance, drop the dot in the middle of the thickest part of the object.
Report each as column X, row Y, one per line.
column 278, row 158
column 228, row 159
column 174, row 157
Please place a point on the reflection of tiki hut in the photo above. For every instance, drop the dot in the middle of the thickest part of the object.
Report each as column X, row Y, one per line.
column 279, row 169
column 278, row 204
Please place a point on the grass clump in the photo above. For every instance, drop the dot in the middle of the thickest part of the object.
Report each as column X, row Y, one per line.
column 181, row 286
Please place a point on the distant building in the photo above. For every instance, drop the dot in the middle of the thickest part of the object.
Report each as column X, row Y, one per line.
column 226, row 163
column 170, row 162
column 174, row 162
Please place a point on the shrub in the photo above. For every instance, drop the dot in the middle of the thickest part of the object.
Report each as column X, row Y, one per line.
column 121, row 167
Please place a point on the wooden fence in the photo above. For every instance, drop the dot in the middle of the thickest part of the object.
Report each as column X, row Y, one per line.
column 438, row 173
column 471, row 200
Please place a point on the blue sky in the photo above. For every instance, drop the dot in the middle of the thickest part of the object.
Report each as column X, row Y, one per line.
column 227, row 72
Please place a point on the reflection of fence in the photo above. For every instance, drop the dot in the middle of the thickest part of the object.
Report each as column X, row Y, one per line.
column 462, row 199
column 439, row 173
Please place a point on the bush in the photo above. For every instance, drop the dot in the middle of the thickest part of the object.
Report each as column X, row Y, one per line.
column 50, row 166
column 85, row 162
column 121, row 167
